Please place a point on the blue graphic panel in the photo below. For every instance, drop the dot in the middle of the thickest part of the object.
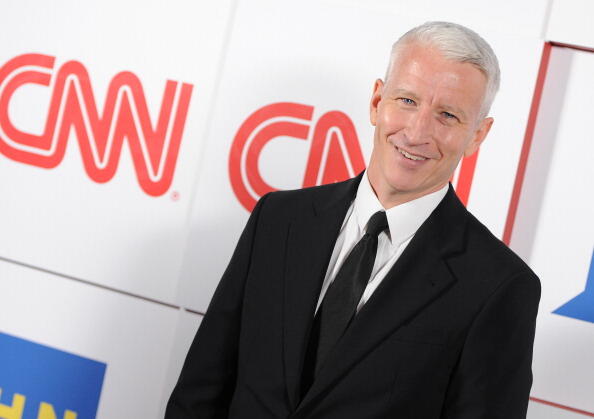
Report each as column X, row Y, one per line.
column 43, row 374
column 582, row 306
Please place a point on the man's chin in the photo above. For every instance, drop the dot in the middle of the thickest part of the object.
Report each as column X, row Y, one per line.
column 405, row 189
column 409, row 190
column 405, row 186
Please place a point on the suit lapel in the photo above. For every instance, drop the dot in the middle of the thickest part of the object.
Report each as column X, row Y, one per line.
column 309, row 248
column 419, row 277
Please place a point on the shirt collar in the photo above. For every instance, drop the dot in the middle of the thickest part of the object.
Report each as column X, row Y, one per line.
column 404, row 219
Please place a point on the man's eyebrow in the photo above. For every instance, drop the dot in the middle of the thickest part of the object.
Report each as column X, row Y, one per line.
column 454, row 110
column 406, row 93
column 448, row 108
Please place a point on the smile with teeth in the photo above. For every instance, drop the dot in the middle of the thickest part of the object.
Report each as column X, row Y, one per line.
column 410, row 156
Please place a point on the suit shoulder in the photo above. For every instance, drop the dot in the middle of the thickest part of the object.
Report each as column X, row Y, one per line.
column 486, row 265
column 289, row 204
column 493, row 256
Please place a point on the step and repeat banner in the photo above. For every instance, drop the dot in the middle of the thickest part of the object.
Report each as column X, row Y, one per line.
column 136, row 137
column 554, row 229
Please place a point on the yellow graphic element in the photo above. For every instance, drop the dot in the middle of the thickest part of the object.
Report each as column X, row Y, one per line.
column 14, row 411
column 46, row 411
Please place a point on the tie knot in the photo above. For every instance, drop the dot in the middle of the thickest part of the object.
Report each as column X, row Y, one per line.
column 377, row 223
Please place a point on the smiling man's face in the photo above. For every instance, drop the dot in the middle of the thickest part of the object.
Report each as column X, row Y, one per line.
column 426, row 117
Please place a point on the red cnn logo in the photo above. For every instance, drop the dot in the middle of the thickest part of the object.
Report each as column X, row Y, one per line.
column 100, row 136
column 334, row 155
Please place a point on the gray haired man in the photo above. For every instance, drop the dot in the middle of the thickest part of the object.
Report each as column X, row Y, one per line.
column 380, row 296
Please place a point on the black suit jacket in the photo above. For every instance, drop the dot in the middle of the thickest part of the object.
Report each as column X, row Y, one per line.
column 447, row 334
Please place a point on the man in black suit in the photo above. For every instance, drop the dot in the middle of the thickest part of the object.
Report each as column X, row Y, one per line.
column 380, row 296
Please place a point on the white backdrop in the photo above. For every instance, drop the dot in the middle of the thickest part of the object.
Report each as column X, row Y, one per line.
column 101, row 260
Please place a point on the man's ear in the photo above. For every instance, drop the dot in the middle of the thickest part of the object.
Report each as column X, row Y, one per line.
column 378, row 88
column 479, row 136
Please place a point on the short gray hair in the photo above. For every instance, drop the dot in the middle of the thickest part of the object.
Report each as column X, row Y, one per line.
column 457, row 43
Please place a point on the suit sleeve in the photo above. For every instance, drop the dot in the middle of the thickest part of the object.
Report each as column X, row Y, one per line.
column 493, row 375
column 207, row 379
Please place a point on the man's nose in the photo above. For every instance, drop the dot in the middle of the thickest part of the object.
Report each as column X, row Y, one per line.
column 420, row 127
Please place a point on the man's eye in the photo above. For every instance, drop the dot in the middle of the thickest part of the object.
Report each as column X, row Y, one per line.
column 449, row 115
column 407, row 101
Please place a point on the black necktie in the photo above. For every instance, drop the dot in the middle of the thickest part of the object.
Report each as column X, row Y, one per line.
column 342, row 297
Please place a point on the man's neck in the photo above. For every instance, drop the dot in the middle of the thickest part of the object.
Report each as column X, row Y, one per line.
column 389, row 197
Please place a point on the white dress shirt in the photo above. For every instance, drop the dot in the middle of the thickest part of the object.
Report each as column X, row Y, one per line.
column 403, row 222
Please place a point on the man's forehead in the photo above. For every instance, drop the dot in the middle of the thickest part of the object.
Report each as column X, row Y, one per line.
column 416, row 57
column 419, row 69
